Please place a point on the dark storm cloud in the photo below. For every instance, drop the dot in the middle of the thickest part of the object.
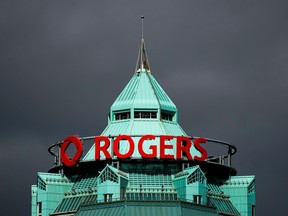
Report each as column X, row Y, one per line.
column 223, row 63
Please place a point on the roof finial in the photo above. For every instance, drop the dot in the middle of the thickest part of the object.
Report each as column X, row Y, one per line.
column 142, row 22
column 142, row 61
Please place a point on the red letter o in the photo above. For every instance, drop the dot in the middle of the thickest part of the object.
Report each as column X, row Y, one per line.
column 64, row 157
column 116, row 146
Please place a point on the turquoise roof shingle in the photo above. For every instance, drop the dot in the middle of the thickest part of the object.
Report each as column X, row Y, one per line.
column 143, row 92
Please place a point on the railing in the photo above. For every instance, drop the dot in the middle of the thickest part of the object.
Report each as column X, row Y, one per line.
column 231, row 150
column 224, row 159
column 142, row 198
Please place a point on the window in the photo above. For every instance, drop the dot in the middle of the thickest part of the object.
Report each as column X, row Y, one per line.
column 122, row 116
column 146, row 115
column 197, row 199
column 108, row 175
column 167, row 116
column 108, row 197
column 41, row 184
column 196, row 176
column 39, row 209
column 122, row 192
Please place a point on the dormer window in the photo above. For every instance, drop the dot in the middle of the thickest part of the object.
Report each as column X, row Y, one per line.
column 145, row 114
column 122, row 115
column 167, row 116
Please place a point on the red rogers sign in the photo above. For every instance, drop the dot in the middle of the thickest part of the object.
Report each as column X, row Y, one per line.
column 102, row 144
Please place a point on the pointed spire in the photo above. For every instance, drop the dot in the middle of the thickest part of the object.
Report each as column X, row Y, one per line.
column 142, row 61
column 142, row 22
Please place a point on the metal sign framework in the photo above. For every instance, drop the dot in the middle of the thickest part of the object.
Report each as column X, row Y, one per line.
column 223, row 159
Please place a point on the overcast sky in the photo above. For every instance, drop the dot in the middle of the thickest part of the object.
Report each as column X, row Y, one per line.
column 223, row 63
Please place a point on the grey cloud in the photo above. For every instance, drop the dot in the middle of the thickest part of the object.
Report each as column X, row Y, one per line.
column 223, row 63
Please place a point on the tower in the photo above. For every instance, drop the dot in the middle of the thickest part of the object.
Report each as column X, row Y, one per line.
column 143, row 163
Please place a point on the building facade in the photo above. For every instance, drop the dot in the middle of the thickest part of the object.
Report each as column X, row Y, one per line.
column 155, row 168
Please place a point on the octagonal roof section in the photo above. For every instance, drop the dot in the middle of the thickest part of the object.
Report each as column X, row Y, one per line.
column 143, row 91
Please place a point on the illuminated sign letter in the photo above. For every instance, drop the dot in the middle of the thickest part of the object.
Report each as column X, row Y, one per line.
column 64, row 157
column 200, row 149
column 183, row 144
column 116, row 146
column 102, row 148
column 164, row 146
column 152, row 147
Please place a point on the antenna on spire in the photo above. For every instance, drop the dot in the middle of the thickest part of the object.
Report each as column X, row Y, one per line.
column 142, row 22
column 142, row 61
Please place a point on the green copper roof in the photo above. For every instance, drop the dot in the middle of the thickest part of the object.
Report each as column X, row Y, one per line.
column 240, row 181
column 223, row 206
column 143, row 92
column 146, row 208
column 73, row 203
